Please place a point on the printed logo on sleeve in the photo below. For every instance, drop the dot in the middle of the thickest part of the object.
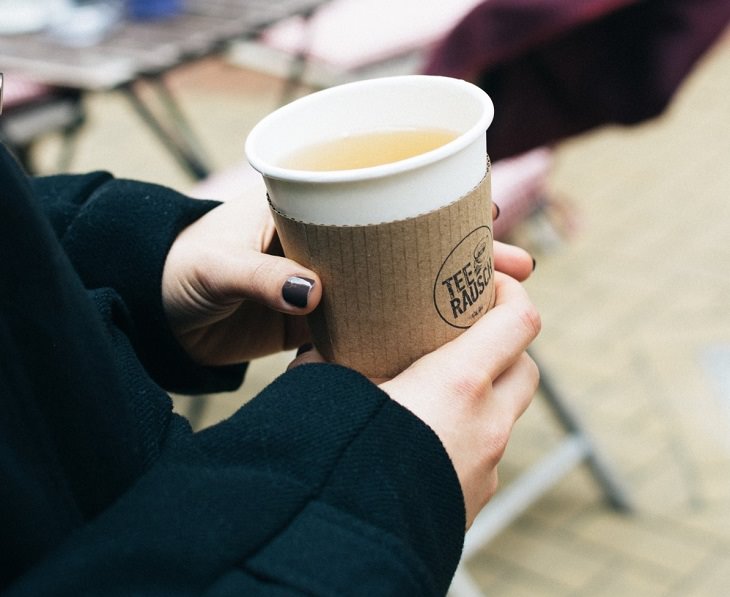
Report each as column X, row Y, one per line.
column 463, row 289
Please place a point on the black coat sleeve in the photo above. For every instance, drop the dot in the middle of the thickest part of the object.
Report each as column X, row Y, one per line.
column 117, row 234
column 321, row 485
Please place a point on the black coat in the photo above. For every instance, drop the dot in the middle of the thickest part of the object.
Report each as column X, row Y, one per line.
column 320, row 485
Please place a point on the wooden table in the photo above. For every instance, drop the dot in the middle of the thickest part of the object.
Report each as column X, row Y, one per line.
column 141, row 53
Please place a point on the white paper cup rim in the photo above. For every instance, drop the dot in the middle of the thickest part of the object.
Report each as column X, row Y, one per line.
column 272, row 170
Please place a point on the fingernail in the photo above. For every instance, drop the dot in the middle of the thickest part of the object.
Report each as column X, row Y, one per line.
column 497, row 210
column 304, row 348
column 296, row 291
column 534, row 264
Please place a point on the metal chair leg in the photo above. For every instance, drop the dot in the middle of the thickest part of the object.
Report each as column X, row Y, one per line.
column 509, row 503
column 601, row 471
column 175, row 139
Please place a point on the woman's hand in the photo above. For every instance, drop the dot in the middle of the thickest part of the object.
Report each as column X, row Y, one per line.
column 228, row 297
column 473, row 389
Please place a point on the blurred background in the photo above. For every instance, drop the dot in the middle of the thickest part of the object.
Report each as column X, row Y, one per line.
column 610, row 148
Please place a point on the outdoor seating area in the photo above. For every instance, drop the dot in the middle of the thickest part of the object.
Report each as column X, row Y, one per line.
column 631, row 284
column 620, row 469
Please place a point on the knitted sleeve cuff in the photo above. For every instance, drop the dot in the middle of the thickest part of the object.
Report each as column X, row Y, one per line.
column 119, row 238
column 375, row 473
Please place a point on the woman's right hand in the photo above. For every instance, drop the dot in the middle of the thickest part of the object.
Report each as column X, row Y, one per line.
column 473, row 389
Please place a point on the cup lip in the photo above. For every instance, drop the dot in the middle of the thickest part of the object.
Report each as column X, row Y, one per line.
column 381, row 171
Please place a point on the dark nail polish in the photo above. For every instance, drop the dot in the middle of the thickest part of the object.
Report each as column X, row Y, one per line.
column 304, row 348
column 534, row 264
column 497, row 210
column 296, row 291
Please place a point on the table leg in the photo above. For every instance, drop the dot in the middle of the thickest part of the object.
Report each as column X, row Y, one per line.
column 177, row 136
column 601, row 471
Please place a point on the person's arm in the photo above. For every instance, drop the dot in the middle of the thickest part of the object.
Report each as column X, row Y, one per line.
column 472, row 390
column 321, row 485
column 117, row 234
column 105, row 491
column 319, row 481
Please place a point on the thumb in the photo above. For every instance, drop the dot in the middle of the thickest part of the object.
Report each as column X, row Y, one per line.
column 276, row 282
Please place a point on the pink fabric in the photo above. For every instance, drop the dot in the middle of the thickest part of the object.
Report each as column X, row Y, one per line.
column 519, row 186
column 18, row 91
column 229, row 184
column 349, row 34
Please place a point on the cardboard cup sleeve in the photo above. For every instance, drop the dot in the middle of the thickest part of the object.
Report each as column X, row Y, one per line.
column 395, row 291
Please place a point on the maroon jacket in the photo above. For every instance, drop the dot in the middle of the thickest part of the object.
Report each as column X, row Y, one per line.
column 555, row 68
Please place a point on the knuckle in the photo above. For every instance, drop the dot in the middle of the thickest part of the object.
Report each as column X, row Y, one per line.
column 533, row 371
column 496, row 440
column 470, row 385
column 262, row 280
column 467, row 385
column 260, row 274
column 529, row 375
column 492, row 485
column 530, row 319
column 207, row 277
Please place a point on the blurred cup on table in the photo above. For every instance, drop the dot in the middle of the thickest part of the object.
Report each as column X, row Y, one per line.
column 142, row 10
column 383, row 188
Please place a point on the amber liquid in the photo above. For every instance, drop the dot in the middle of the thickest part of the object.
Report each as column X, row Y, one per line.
column 367, row 149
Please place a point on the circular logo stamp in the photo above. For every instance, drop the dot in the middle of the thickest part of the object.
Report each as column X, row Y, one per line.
column 463, row 291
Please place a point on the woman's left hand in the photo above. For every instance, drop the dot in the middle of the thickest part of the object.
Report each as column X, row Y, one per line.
column 227, row 296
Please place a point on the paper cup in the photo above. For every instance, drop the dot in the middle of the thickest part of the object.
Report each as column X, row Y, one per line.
column 404, row 249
